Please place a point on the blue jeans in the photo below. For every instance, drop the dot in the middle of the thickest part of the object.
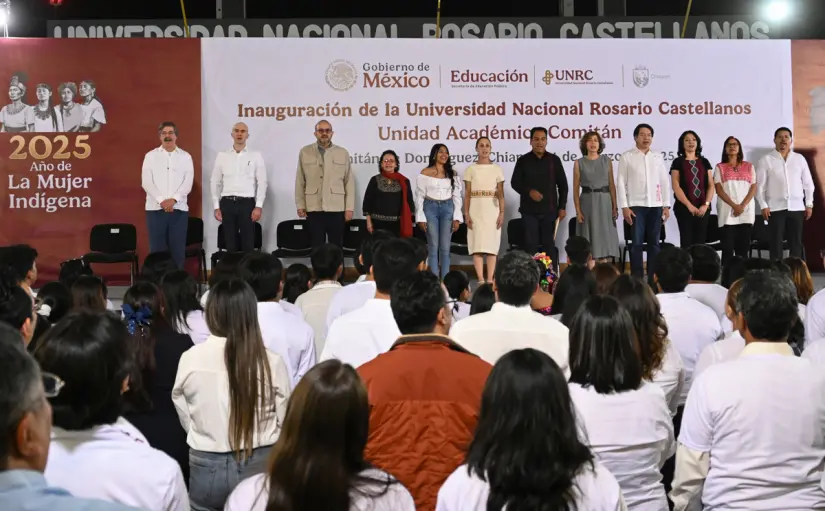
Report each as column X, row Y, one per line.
column 213, row 476
column 647, row 227
column 439, row 233
column 167, row 232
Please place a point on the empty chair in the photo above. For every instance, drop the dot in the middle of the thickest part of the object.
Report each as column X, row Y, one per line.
column 114, row 244
column 293, row 240
column 194, row 245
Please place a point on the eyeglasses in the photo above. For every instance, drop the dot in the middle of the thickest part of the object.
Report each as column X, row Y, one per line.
column 324, row 131
column 52, row 384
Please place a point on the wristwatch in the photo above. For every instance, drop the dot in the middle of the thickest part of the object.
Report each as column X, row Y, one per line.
column 707, row 204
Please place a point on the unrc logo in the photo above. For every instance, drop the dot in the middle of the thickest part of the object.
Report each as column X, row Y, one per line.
column 341, row 75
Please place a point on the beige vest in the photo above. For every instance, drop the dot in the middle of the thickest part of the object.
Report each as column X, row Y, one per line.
column 324, row 183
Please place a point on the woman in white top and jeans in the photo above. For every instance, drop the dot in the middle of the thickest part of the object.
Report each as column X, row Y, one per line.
column 438, row 207
column 318, row 462
column 230, row 394
column 735, row 186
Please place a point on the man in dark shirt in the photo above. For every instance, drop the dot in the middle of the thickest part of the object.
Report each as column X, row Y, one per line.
column 540, row 181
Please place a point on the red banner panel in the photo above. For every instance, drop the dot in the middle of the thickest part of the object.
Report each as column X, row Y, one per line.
column 77, row 120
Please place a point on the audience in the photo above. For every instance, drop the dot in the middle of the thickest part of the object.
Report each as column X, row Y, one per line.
column 226, row 269
column 579, row 252
column 156, row 351
column 89, row 293
column 327, row 267
column 511, row 324
column 22, row 260
column 704, row 273
column 17, row 307
column 297, row 281
column 752, row 433
column 803, row 282
column 54, row 301
column 230, row 394
column 815, row 316
column 732, row 271
column 155, row 266
column 283, row 333
column 483, row 299
column 424, row 380
column 627, row 419
column 605, row 275
column 27, row 422
column 318, row 461
column 95, row 452
column 542, row 300
column 527, row 451
column 73, row 269
column 361, row 335
column 575, row 286
column 458, row 290
column 181, row 307
column 732, row 345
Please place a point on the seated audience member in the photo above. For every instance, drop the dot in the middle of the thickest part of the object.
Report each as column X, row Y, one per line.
column 420, row 248
column 815, row 316
column 542, row 301
column 22, row 260
column 355, row 295
column 760, row 443
column 73, row 269
column 527, row 419
column 627, row 419
column 458, row 289
column 95, row 452
column 483, row 299
column 283, row 333
column 54, row 301
column 27, row 424
column 579, row 252
column 511, row 324
column 155, row 266
column 703, row 276
column 605, row 275
column 17, row 307
column 361, row 335
column 297, row 281
column 733, row 343
column 89, row 293
column 661, row 362
column 803, row 282
column 230, row 394
column 327, row 267
column 691, row 324
column 574, row 287
column 732, row 271
column 226, row 269
column 325, row 430
column 424, row 379
column 181, row 308
column 156, row 351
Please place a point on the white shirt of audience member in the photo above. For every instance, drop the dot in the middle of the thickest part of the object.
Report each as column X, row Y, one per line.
column 712, row 295
column 671, row 377
column 691, row 326
column 252, row 495
column 720, row 351
column 314, row 305
column 115, row 463
column 195, row 327
column 815, row 317
column 631, row 433
column 361, row 335
column 351, row 297
column 289, row 336
column 595, row 490
column 765, row 433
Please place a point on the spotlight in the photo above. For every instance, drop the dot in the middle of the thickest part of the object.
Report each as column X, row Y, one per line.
column 778, row 10
column 5, row 14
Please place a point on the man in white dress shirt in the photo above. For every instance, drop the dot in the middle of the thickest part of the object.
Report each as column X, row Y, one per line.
column 511, row 324
column 753, row 428
column 327, row 267
column 361, row 335
column 705, row 270
column 167, row 175
column 283, row 333
column 643, row 192
column 785, row 192
column 238, row 191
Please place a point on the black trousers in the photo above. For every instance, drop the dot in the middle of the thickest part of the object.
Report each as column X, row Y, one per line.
column 237, row 223
column 393, row 226
column 669, row 468
column 326, row 226
column 539, row 232
column 693, row 230
column 785, row 225
column 736, row 240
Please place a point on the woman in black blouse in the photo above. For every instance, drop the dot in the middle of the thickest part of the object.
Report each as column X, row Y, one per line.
column 388, row 201
column 692, row 178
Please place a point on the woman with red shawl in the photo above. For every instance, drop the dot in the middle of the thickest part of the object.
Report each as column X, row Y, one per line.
column 388, row 201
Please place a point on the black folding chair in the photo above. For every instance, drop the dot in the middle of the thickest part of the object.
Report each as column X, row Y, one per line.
column 194, row 246
column 259, row 242
column 114, row 244
column 292, row 238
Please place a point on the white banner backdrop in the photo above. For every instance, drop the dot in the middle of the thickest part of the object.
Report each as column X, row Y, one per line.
column 405, row 95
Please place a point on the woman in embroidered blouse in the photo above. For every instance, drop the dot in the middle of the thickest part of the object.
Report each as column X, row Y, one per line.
column 736, row 185
column 93, row 114
column 542, row 301
column 17, row 116
column 692, row 178
column 388, row 202
column 70, row 111
column 47, row 118
column 438, row 207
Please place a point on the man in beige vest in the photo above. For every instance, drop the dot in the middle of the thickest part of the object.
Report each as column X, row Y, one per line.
column 325, row 187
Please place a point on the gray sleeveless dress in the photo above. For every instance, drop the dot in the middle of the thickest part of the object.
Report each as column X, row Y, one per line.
column 599, row 226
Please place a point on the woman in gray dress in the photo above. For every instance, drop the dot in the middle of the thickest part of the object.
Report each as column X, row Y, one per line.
column 594, row 195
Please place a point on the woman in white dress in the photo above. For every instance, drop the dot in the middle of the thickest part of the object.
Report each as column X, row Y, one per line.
column 626, row 418
column 527, row 452
column 47, row 118
column 318, row 461
column 484, row 209
column 94, row 117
